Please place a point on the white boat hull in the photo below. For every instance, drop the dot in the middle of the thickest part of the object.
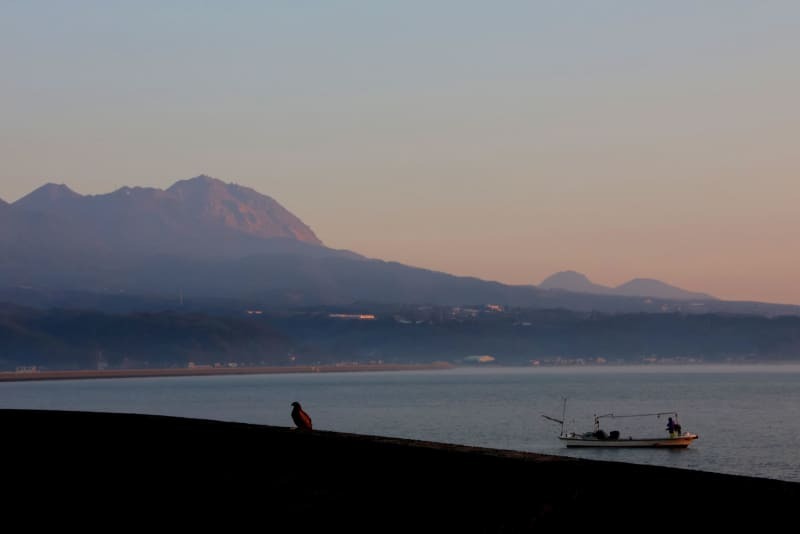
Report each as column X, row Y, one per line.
column 677, row 442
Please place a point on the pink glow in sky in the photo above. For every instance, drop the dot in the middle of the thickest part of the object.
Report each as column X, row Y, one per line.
column 503, row 140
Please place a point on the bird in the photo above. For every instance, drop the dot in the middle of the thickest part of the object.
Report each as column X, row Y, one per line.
column 300, row 417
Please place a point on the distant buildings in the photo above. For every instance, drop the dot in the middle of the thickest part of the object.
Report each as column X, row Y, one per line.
column 359, row 316
column 479, row 358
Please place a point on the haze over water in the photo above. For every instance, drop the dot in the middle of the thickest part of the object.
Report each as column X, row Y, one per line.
column 747, row 416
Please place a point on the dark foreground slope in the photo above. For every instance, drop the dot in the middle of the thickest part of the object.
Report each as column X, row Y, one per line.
column 120, row 471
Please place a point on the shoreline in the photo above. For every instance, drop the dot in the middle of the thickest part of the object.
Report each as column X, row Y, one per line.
column 26, row 376
column 12, row 376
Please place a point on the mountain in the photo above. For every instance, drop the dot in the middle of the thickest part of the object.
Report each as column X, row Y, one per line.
column 209, row 201
column 58, row 240
column 200, row 217
column 638, row 287
column 647, row 287
column 575, row 282
column 48, row 197
column 227, row 246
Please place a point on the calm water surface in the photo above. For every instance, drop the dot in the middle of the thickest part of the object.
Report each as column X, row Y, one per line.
column 748, row 417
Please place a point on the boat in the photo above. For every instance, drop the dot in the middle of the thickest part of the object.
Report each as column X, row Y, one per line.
column 597, row 437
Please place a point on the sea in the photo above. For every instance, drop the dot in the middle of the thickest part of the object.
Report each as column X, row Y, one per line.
column 747, row 416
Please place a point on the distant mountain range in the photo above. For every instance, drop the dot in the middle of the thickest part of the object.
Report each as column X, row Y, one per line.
column 206, row 239
column 638, row 287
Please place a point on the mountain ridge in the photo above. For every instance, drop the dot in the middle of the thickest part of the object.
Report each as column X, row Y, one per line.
column 206, row 239
column 199, row 217
column 636, row 287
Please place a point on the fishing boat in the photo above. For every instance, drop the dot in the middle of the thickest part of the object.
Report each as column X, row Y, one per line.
column 676, row 438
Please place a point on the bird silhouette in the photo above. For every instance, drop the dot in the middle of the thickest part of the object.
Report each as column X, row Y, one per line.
column 300, row 417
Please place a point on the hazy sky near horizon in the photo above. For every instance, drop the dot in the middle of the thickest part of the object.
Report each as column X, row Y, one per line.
column 503, row 140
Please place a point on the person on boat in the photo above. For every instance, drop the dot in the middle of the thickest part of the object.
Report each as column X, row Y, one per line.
column 671, row 427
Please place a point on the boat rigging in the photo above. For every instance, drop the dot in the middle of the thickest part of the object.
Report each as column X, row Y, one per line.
column 676, row 438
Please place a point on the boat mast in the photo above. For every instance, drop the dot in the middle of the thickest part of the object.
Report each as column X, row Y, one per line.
column 563, row 416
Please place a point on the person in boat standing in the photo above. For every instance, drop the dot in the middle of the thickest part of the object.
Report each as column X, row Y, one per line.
column 673, row 428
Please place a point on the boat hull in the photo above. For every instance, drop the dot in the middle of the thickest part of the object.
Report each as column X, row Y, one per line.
column 678, row 442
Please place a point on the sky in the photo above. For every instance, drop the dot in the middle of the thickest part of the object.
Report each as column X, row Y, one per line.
column 503, row 140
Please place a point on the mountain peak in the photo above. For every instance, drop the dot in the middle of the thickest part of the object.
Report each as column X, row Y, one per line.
column 200, row 216
column 644, row 281
column 202, row 180
column 572, row 281
column 566, row 275
column 46, row 196
column 240, row 208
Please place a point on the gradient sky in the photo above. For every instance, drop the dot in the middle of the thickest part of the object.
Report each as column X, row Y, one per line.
column 503, row 140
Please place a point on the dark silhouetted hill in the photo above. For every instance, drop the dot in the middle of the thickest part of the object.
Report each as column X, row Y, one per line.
column 193, row 474
column 77, row 339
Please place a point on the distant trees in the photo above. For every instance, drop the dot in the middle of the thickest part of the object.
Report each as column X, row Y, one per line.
column 64, row 339
column 79, row 339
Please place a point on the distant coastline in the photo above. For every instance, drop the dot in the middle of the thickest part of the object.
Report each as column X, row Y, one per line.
column 700, row 366
column 11, row 376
